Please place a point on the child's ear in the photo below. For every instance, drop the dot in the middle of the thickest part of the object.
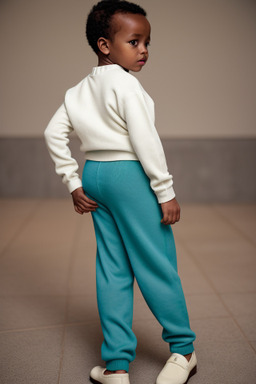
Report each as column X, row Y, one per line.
column 103, row 45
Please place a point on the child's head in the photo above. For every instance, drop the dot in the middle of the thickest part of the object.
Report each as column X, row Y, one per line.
column 119, row 32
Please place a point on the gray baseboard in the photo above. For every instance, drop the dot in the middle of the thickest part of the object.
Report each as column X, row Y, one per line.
column 204, row 170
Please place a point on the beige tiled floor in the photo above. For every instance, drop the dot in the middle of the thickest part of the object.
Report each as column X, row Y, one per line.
column 49, row 327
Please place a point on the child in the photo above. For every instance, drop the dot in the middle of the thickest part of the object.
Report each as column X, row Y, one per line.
column 128, row 190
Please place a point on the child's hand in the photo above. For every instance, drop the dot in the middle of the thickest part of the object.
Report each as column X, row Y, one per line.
column 171, row 212
column 82, row 203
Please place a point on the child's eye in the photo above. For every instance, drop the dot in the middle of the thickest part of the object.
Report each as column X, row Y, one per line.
column 133, row 42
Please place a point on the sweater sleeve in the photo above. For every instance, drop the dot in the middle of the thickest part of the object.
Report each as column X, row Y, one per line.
column 56, row 136
column 147, row 145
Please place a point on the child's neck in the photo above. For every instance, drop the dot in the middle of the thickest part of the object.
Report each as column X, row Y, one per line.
column 104, row 60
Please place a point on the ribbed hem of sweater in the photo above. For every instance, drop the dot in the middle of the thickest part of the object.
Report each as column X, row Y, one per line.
column 110, row 155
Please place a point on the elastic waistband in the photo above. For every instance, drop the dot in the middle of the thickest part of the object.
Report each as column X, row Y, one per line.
column 110, row 156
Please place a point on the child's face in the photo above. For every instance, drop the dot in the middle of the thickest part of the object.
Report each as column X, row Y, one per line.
column 129, row 45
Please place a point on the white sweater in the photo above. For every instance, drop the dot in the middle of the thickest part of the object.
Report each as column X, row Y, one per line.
column 114, row 118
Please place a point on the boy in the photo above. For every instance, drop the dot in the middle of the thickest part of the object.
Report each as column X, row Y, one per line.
column 129, row 191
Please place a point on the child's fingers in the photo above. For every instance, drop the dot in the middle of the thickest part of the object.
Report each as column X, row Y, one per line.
column 78, row 210
column 88, row 202
column 166, row 220
column 82, row 202
column 171, row 218
column 92, row 202
column 86, row 206
column 81, row 209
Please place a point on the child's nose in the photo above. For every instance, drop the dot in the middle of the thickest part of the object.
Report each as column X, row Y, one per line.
column 143, row 49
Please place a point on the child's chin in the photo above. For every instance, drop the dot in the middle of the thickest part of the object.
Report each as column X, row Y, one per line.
column 137, row 69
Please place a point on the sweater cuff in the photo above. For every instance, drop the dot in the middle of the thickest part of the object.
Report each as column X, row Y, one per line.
column 74, row 184
column 166, row 195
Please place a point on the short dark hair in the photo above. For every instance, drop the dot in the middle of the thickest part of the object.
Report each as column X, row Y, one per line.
column 99, row 19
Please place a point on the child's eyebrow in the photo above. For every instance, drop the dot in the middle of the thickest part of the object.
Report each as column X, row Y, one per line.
column 138, row 35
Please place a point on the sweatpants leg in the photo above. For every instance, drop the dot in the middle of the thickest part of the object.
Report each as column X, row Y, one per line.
column 114, row 281
column 140, row 245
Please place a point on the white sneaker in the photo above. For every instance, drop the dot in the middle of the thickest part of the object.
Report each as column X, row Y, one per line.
column 177, row 369
column 97, row 377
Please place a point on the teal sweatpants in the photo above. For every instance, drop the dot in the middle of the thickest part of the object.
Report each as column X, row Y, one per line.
column 131, row 242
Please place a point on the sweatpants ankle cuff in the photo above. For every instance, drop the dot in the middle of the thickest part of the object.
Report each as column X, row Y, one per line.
column 115, row 365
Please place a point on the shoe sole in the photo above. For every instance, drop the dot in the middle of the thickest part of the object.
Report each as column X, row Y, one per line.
column 192, row 373
column 94, row 381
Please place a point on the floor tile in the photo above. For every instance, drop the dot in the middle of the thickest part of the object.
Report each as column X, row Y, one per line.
column 241, row 303
column 19, row 312
column 52, row 223
column 230, row 266
column 205, row 306
column 239, row 249
column 34, row 275
column 83, row 272
column 82, row 308
column 200, row 222
column 82, row 352
column 38, row 260
column 241, row 216
column 221, row 362
column 30, row 357
column 223, row 354
column 141, row 310
column 253, row 344
column 211, row 329
column 193, row 281
column 247, row 325
column 14, row 213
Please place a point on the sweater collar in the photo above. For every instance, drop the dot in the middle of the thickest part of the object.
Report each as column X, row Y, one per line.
column 104, row 68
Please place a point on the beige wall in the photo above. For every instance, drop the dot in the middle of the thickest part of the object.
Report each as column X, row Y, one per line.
column 201, row 72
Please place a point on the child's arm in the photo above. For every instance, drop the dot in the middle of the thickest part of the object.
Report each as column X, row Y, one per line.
column 56, row 136
column 148, row 147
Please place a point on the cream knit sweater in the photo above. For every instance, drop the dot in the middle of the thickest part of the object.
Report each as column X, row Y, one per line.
column 114, row 118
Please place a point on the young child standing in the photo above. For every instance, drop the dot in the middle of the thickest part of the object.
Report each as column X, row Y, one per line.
column 128, row 190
